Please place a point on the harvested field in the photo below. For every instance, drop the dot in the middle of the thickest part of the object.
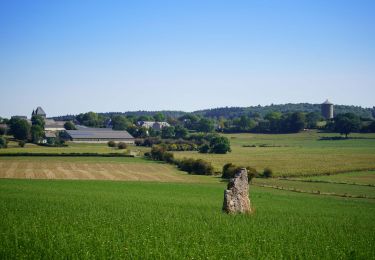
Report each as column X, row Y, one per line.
column 35, row 168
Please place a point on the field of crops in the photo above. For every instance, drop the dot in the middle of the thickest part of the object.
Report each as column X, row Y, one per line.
column 139, row 220
column 296, row 154
column 70, row 148
column 93, row 168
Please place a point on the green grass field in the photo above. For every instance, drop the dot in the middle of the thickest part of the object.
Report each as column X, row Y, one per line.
column 103, row 219
column 296, row 154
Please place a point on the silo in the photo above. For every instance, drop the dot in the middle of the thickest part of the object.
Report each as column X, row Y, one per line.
column 327, row 110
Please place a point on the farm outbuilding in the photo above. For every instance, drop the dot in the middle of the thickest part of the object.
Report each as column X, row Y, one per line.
column 99, row 135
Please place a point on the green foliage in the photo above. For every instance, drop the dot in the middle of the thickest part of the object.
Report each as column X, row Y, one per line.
column 21, row 143
column 111, row 144
column 69, row 125
column 157, row 152
column 267, row 173
column 120, row 123
column 346, row 123
column 205, row 125
column 168, row 132
column 312, row 119
column 37, row 133
column 198, row 166
column 91, row 119
column 37, row 120
column 204, row 148
column 3, row 142
column 220, row 144
column 180, row 132
column 159, row 117
column 19, row 128
column 122, row 145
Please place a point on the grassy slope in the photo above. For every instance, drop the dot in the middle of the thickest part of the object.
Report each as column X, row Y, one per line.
column 86, row 219
column 364, row 178
column 299, row 154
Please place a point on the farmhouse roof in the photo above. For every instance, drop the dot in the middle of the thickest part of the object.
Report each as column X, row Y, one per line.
column 40, row 112
column 49, row 135
column 99, row 133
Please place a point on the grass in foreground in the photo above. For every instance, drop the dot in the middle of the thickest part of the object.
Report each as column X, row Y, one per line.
column 93, row 219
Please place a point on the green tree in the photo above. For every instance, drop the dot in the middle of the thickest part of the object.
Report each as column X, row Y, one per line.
column 120, row 123
column 20, row 129
column 37, row 120
column 220, row 145
column 205, row 125
column 312, row 119
column 37, row 133
column 159, row 117
column 69, row 125
column 296, row 122
column 346, row 123
column 180, row 132
column 168, row 132
column 91, row 119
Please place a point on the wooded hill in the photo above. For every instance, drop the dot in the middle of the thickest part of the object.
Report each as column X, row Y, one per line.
column 232, row 112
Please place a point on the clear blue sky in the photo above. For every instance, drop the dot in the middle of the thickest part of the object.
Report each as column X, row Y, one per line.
column 78, row 56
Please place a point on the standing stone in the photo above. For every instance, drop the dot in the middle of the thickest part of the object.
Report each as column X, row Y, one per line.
column 236, row 197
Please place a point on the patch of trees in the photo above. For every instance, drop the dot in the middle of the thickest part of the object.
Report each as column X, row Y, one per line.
column 91, row 119
column 217, row 144
column 345, row 124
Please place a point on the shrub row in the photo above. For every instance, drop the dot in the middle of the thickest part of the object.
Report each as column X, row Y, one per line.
column 120, row 145
column 169, row 144
column 230, row 170
column 192, row 166
column 195, row 166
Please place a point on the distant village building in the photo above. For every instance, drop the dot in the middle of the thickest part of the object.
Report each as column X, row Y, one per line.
column 39, row 112
column 158, row 126
column 327, row 110
column 50, row 124
column 19, row 117
column 99, row 135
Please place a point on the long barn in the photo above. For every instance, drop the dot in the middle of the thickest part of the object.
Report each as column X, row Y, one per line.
column 99, row 135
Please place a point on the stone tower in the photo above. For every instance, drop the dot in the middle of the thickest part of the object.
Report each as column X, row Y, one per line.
column 327, row 110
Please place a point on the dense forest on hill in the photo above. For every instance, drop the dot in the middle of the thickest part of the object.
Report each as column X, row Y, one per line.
column 233, row 112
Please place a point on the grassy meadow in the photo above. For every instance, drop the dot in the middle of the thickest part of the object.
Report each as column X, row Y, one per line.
column 296, row 154
column 104, row 219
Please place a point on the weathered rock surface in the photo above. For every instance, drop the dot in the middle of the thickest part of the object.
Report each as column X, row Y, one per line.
column 236, row 197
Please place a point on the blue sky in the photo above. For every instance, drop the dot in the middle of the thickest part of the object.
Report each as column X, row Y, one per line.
column 78, row 56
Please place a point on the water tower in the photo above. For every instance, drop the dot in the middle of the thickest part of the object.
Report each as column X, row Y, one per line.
column 327, row 110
